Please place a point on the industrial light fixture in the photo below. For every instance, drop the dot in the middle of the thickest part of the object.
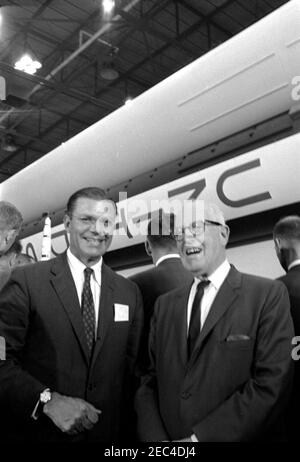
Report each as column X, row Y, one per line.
column 128, row 101
column 27, row 64
column 108, row 6
column 108, row 72
column 8, row 143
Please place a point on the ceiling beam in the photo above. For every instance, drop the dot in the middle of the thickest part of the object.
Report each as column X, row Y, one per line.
column 124, row 76
column 194, row 10
column 92, row 99
column 145, row 27
column 23, row 29
column 57, row 87
column 153, row 11
column 5, row 131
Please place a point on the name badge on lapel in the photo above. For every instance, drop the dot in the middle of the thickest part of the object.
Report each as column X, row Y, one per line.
column 121, row 312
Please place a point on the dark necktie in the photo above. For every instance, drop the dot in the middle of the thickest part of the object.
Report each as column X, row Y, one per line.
column 88, row 310
column 195, row 319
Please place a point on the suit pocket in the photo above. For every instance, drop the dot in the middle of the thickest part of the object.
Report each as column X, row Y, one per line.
column 237, row 337
column 236, row 359
column 237, row 345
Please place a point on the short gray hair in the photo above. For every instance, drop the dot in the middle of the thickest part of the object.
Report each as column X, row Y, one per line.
column 10, row 217
column 213, row 212
column 288, row 228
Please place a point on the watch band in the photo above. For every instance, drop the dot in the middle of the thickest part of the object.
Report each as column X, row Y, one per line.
column 45, row 397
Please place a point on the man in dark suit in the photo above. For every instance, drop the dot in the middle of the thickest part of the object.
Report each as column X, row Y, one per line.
column 72, row 328
column 168, row 273
column 220, row 349
column 287, row 244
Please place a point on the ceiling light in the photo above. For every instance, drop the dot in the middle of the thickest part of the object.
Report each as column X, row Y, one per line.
column 9, row 144
column 108, row 6
column 109, row 73
column 27, row 64
column 128, row 101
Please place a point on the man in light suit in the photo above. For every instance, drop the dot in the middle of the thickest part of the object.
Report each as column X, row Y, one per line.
column 72, row 328
column 287, row 244
column 220, row 348
column 168, row 273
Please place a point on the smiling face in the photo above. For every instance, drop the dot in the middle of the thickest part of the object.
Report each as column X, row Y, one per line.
column 90, row 226
column 204, row 252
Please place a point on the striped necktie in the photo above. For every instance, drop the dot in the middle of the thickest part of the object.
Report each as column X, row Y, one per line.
column 88, row 309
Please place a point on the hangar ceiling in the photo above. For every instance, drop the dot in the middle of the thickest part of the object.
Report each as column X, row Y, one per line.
column 91, row 61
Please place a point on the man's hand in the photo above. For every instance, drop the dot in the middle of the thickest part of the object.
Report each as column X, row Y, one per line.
column 71, row 415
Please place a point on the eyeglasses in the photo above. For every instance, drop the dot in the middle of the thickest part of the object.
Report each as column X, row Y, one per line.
column 196, row 229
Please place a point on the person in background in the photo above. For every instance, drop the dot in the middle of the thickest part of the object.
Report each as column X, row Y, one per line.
column 11, row 222
column 286, row 235
column 11, row 259
column 72, row 329
column 221, row 367
column 168, row 273
column 8, row 260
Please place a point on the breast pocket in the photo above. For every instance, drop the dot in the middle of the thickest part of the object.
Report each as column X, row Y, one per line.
column 119, row 333
column 236, row 345
column 236, row 359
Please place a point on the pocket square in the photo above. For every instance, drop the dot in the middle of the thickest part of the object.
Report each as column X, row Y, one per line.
column 235, row 337
column 121, row 312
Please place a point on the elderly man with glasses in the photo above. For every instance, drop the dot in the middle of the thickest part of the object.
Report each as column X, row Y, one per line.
column 220, row 348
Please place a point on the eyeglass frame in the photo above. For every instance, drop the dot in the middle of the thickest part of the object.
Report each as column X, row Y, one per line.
column 179, row 237
column 90, row 221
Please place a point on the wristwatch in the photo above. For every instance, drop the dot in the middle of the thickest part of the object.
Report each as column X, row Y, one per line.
column 45, row 396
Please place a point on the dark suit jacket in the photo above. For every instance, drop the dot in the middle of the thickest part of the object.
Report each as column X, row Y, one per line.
column 170, row 274
column 292, row 282
column 236, row 383
column 40, row 319
column 4, row 277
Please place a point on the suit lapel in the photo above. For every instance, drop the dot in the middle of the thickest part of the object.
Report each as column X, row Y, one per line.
column 224, row 299
column 64, row 286
column 106, row 315
column 180, row 319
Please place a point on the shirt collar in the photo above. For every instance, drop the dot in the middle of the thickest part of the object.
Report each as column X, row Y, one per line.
column 294, row 263
column 219, row 275
column 79, row 267
column 166, row 257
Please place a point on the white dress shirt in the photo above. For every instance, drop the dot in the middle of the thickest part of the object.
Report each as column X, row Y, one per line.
column 216, row 280
column 166, row 257
column 294, row 263
column 77, row 269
